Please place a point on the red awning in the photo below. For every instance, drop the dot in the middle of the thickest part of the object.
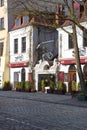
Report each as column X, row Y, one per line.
column 18, row 64
column 72, row 61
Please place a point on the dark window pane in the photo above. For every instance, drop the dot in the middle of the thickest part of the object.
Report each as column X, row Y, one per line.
column 18, row 22
column 2, row 2
column 1, row 48
column 15, row 45
column 23, row 44
column 70, row 42
column 2, row 23
column 25, row 19
column 84, row 40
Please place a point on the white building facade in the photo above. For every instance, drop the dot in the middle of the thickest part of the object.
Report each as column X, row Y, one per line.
column 28, row 45
column 67, row 64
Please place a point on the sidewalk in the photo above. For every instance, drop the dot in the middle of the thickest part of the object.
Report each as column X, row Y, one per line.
column 42, row 97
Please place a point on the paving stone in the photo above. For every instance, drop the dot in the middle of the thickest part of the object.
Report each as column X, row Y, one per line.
column 39, row 111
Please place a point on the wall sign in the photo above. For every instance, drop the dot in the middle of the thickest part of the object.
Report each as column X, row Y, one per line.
column 19, row 58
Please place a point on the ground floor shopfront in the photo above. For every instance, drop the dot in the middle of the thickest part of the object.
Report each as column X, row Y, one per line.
column 68, row 72
column 22, row 72
column 19, row 72
column 44, row 70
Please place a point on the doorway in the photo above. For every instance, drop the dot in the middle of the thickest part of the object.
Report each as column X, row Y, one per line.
column 72, row 76
column 16, row 78
column 45, row 77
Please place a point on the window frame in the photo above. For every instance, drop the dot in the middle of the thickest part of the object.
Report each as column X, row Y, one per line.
column 16, row 46
column 18, row 21
column 84, row 40
column 1, row 3
column 1, row 48
column 23, row 44
column 2, row 23
column 25, row 19
column 70, row 41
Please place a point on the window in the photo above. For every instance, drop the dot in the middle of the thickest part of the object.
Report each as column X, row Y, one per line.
column 18, row 22
column 1, row 48
column 1, row 2
column 25, row 19
column 70, row 41
column 84, row 40
column 23, row 44
column 15, row 45
column 1, row 23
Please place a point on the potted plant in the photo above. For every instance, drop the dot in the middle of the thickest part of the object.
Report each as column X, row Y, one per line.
column 23, row 85
column 43, row 85
column 7, row 86
column 82, row 96
column 18, row 86
column 73, row 91
column 61, row 88
column 73, row 86
column 51, row 84
column 27, row 86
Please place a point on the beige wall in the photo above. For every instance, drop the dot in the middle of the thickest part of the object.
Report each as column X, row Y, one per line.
column 4, row 38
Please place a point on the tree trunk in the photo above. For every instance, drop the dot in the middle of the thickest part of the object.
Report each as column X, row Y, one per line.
column 77, row 58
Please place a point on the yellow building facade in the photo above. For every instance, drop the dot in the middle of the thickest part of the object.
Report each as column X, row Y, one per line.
column 4, row 41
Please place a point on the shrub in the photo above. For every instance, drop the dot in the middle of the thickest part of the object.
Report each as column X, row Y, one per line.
column 42, row 84
column 79, row 87
column 60, row 85
column 23, row 85
column 51, row 85
column 18, row 86
column 82, row 96
column 7, row 86
column 28, row 86
column 86, row 85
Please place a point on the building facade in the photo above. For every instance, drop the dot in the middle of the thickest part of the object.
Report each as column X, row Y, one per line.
column 6, row 21
column 68, row 70
column 29, row 43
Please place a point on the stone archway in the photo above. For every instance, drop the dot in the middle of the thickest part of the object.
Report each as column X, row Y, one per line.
column 44, row 69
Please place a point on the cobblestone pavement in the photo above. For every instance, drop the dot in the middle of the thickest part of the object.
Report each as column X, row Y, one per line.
column 39, row 111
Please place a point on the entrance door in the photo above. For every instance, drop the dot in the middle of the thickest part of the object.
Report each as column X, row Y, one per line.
column 72, row 76
column 16, row 78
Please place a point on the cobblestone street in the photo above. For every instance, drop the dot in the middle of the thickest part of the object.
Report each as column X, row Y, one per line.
column 39, row 111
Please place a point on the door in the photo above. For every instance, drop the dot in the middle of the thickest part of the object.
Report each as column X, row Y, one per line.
column 72, row 76
column 16, row 79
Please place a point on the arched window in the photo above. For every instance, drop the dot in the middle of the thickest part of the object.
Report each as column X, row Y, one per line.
column 72, row 68
column 23, row 74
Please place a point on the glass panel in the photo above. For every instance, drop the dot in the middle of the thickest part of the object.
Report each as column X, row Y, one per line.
column 25, row 19
column 23, row 44
column 15, row 45
column 1, row 48
column 70, row 42
column 18, row 22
